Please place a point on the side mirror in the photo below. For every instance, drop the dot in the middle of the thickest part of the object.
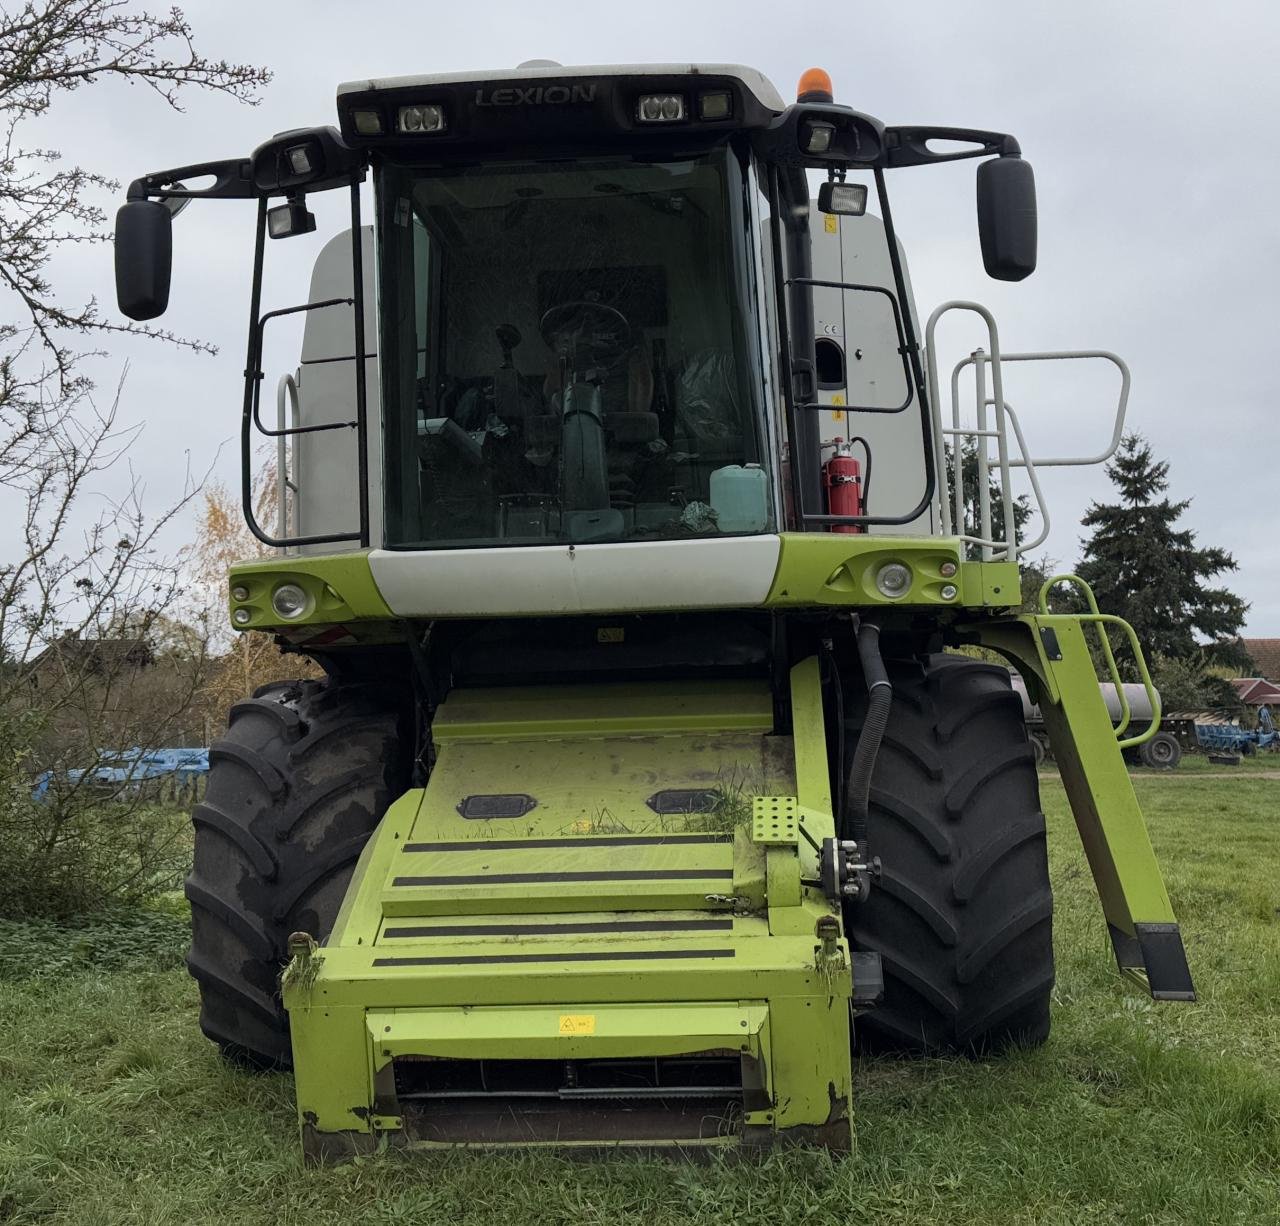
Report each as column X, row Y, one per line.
column 1007, row 218
column 144, row 258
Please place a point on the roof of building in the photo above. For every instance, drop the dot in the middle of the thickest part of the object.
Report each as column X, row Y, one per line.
column 94, row 655
column 1266, row 656
column 1254, row 691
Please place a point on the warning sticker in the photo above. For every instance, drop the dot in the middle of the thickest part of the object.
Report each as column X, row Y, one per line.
column 831, row 222
column 577, row 1023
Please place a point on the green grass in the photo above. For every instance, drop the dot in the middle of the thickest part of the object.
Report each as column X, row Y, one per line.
column 114, row 1109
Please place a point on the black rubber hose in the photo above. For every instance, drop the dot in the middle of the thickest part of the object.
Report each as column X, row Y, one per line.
column 879, row 699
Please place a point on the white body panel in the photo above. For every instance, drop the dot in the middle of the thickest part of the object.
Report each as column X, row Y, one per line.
column 853, row 250
column 733, row 572
column 324, row 466
column 751, row 78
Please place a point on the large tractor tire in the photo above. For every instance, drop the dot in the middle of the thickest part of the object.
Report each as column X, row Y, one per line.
column 295, row 787
column 962, row 913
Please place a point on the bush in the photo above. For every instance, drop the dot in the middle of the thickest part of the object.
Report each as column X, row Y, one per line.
column 78, row 854
column 1188, row 684
column 138, row 939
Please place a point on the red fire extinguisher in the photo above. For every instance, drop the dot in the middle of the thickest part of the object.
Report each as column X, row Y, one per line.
column 842, row 481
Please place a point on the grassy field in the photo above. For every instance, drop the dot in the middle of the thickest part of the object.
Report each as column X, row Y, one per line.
column 114, row 1109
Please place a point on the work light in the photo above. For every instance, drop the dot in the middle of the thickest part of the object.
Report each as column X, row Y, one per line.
column 660, row 108
column 421, row 120
column 367, row 123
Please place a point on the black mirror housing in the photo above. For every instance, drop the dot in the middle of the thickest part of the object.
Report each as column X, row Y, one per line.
column 144, row 258
column 1007, row 218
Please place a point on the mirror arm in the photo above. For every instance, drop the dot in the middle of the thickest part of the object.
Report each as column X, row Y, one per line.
column 908, row 146
column 232, row 181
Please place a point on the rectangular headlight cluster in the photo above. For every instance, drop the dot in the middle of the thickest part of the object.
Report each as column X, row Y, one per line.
column 424, row 119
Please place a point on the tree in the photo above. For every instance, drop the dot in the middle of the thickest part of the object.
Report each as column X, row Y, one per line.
column 1144, row 568
column 77, row 596
column 969, row 496
column 242, row 660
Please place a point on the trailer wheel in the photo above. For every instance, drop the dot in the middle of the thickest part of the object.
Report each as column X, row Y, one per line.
column 962, row 913
column 1161, row 752
column 295, row 787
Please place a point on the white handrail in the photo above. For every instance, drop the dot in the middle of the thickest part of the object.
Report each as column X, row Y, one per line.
column 286, row 390
column 953, row 523
column 1122, row 401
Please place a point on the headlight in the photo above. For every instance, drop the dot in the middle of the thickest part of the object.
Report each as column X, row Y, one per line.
column 422, row 120
column 660, row 108
column 893, row 579
column 290, row 601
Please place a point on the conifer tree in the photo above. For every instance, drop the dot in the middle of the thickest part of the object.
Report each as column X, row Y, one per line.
column 1145, row 568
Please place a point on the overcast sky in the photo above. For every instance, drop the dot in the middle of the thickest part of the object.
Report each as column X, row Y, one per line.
column 1151, row 127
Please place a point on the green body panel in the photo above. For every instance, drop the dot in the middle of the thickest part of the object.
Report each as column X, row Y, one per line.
column 814, row 570
column 590, row 926
column 341, row 588
column 825, row 568
column 1064, row 682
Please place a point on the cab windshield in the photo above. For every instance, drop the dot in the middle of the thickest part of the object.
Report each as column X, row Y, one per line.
column 567, row 353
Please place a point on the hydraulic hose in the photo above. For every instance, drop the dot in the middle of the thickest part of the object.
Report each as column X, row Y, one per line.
column 879, row 699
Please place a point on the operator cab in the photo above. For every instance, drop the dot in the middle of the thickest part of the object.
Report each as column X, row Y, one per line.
column 597, row 308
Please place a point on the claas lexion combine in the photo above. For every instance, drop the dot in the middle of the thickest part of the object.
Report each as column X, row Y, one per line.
column 641, row 784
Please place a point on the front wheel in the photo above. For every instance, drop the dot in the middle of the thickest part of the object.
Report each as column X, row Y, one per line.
column 296, row 786
column 962, row 913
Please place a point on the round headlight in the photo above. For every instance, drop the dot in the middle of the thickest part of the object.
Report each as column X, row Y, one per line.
column 241, row 617
column 239, row 592
column 893, row 579
column 947, row 569
column 290, row 601
column 948, row 591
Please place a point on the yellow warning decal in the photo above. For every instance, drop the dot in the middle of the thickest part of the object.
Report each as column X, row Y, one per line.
column 832, row 223
column 838, row 398
column 577, row 1023
column 610, row 634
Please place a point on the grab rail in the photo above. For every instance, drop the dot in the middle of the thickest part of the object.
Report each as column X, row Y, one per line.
column 989, row 365
column 1102, row 620
column 288, row 413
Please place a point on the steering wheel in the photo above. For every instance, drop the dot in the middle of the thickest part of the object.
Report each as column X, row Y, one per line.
column 587, row 333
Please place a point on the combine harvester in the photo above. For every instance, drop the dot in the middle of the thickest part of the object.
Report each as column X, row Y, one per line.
column 639, row 769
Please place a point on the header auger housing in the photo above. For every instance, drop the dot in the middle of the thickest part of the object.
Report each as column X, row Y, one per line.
column 641, row 772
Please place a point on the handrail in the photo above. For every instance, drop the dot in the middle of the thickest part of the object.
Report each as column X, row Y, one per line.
column 286, row 391
column 953, row 520
column 1122, row 401
column 1102, row 620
